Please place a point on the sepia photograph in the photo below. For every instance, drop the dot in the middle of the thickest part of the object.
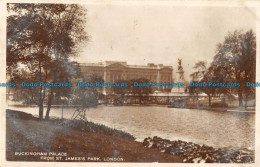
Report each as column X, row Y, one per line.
column 130, row 82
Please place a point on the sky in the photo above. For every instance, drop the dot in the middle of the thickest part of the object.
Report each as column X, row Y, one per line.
column 160, row 34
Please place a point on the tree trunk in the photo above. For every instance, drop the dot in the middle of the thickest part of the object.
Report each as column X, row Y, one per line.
column 49, row 105
column 41, row 110
column 40, row 94
column 246, row 98
column 209, row 100
column 240, row 99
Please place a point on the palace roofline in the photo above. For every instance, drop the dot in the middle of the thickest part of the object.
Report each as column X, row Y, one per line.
column 108, row 63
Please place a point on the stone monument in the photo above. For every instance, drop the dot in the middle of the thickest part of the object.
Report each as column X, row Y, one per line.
column 179, row 78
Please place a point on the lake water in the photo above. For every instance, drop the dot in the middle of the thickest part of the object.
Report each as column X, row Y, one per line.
column 213, row 128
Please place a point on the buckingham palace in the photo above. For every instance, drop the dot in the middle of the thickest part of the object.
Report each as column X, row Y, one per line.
column 114, row 71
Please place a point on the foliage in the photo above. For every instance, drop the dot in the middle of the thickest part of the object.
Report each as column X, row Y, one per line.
column 121, row 91
column 40, row 40
column 235, row 61
column 85, row 97
column 204, row 75
column 140, row 92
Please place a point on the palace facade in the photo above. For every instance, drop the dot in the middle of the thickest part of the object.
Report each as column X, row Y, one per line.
column 113, row 71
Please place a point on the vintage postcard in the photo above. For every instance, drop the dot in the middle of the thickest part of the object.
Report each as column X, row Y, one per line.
column 115, row 83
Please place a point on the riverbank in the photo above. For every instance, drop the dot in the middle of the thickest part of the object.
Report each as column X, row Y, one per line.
column 194, row 153
column 231, row 109
column 28, row 139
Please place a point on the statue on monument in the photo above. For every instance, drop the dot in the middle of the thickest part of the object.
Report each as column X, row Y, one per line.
column 180, row 70
column 179, row 60
column 180, row 66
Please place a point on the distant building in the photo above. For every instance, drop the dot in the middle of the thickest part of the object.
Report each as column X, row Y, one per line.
column 113, row 71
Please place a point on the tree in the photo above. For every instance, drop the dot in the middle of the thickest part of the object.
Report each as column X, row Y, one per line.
column 209, row 90
column 204, row 75
column 85, row 97
column 201, row 69
column 39, row 37
column 64, row 72
column 141, row 92
column 121, row 91
column 235, row 60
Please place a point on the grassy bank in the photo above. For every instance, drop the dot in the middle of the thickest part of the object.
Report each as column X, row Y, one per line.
column 28, row 139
